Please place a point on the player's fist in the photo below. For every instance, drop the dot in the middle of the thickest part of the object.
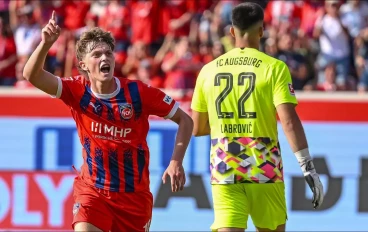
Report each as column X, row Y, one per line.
column 51, row 32
column 177, row 175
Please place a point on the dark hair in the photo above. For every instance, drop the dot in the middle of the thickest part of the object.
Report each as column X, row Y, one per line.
column 247, row 14
column 95, row 36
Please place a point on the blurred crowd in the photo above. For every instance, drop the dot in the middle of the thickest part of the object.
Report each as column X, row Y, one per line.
column 166, row 42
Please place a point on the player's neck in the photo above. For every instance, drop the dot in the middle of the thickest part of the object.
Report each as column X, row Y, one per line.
column 104, row 87
column 247, row 44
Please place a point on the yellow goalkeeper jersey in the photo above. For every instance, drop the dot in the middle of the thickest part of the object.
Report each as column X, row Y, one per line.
column 240, row 91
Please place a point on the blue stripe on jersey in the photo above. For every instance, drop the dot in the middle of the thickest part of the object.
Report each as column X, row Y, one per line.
column 136, row 98
column 97, row 105
column 128, row 170
column 114, row 170
column 120, row 98
column 87, row 147
column 110, row 112
column 85, row 100
column 141, row 161
column 98, row 108
column 100, row 177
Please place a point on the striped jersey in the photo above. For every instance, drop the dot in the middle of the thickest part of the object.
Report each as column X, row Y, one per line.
column 113, row 128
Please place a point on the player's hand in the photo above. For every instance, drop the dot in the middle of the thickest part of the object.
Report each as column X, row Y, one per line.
column 51, row 32
column 312, row 178
column 177, row 175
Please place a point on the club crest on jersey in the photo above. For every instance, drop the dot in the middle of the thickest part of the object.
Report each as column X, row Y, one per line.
column 126, row 110
column 291, row 89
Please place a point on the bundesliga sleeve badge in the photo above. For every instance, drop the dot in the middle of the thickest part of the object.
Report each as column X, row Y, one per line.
column 76, row 207
column 291, row 89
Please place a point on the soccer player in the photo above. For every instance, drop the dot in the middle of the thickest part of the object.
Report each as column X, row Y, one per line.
column 235, row 100
column 111, row 114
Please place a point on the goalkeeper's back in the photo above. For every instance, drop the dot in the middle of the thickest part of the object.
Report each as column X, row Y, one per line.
column 240, row 91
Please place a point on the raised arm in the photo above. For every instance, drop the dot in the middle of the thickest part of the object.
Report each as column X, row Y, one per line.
column 33, row 70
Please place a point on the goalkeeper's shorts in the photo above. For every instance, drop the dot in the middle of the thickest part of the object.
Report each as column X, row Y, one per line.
column 233, row 203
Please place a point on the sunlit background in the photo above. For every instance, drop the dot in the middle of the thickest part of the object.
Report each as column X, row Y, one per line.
column 165, row 44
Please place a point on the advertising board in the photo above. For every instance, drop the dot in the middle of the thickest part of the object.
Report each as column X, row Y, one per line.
column 38, row 148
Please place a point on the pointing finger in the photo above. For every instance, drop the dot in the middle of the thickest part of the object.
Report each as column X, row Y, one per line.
column 53, row 17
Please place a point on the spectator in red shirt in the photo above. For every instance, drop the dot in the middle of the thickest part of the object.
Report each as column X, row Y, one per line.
column 209, row 52
column 283, row 15
column 176, row 16
column 181, row 66
column 205, row 53
column 136, row 54
column 75, row 13
column 115, row 18
column 145, row 73
column 145, row 23
column 8, row 56
column 311, row 10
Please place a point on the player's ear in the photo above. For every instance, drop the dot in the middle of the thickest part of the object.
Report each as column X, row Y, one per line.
column 232, row 31
column 261, row 31
column 83, row 66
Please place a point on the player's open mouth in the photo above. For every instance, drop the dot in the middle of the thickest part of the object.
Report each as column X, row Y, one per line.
column 105, row 68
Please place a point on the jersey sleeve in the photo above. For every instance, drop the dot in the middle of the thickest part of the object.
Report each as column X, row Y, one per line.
column 156, row 102
column 199, row 103
column 283, row 91
column 69, row 89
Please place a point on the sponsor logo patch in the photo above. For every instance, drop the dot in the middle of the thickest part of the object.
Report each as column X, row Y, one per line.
column 167, row 99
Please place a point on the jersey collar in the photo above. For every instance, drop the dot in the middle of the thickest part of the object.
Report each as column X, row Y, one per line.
column 109, row 95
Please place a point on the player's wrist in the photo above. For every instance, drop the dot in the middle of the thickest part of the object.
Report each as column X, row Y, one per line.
column 176, row 161
column 305, row 161
column 46, row 45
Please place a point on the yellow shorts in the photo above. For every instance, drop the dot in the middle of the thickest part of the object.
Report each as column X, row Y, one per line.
column 265, row 203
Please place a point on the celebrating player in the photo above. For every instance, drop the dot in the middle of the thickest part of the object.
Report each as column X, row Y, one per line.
column 112, row 191
column 235, row 101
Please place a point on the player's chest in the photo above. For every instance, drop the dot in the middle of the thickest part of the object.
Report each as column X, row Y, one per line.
column 119, row 109
column 114, row 121
column 113, row 118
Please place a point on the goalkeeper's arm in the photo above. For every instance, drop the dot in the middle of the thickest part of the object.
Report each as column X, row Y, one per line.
column 295, row 135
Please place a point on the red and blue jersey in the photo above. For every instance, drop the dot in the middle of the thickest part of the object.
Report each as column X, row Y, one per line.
column 113, row 128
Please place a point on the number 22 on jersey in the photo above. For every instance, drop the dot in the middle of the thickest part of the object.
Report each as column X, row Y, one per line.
column 228, row 78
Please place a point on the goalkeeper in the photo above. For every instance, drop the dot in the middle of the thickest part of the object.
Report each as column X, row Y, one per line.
column 235, row 100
